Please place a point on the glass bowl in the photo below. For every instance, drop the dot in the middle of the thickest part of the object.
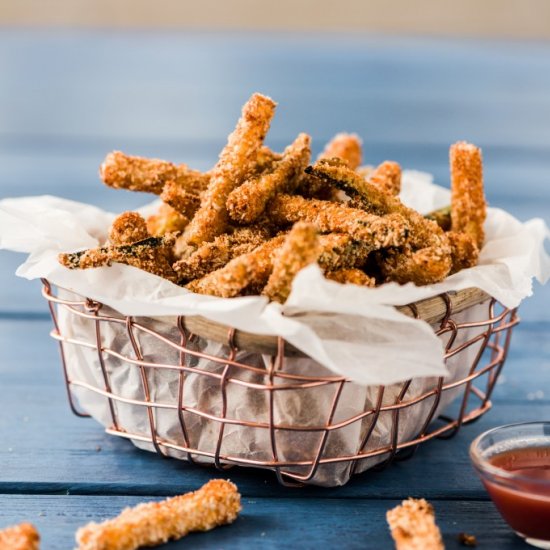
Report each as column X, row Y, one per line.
column 514, row 465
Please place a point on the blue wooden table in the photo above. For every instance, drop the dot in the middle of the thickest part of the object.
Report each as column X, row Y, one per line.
column 67, row 98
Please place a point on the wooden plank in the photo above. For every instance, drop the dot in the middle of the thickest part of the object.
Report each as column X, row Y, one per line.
column 268, row 523
column 36, row 416
column 427, row 91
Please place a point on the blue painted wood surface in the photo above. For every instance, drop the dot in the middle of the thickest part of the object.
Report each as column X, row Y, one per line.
column 67, row 98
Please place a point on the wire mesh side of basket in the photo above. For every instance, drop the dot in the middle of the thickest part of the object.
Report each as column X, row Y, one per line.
column 490, row 341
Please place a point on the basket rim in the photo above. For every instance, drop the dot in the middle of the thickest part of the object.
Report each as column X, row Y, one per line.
column 432, row 310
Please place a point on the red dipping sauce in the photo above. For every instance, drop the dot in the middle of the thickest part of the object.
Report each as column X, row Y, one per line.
column 523, row 500
column 514, row 465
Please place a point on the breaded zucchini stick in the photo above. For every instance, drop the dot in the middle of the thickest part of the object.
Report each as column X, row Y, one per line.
column 127, row 228
column 214, row 255
column 150, row 524
column 179, row 199
column 266, row 158
column 412, row 525
column 468, row 206
column 252, row 269
column 247, row 202
column 341, row 251
column 387, row 177
column 166, row 220
column 236, row 161
column 427, row 258
column 122, row 171
column 344, row 146
column 300, row 248
column 441, row 216
column 464, row 251
column 152, row 254
column 421, row 266
column 20, row 537
column 374, row 231
column 353, row 275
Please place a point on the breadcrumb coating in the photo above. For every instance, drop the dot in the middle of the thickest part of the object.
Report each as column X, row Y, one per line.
column 247, row 202
column 424, row 266
column 468, row 206
column 265, row 159
column 375, row 231
column 365, row 231
column 353, row 275
column 441, row 216
column 300, row 248
column 127, row 228
column 122, row 171
column 150, row 524
column 214, row 255
column 166, row 220
column 347, row 147
column 412, row 525
column 153, row 254
column 236, row 161
column 341, row 251
column 179, row 199
column 240, row 273
column 426, row 259
column 20, row 537
column 464, row 251
column 387, row 177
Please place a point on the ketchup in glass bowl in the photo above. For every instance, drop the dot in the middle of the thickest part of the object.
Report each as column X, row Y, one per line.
column 514, row 465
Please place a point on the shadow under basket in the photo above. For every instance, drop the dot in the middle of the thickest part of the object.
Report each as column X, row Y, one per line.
column 200, row 391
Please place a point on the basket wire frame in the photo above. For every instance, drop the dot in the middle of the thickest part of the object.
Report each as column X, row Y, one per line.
column 493, row 341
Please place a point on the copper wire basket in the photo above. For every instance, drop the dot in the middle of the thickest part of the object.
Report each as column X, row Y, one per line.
column 324, row 447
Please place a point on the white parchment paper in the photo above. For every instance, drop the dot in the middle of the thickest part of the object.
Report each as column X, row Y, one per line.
column 350, row 330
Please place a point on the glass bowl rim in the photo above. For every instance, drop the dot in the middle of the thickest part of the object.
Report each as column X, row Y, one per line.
column 485, row 467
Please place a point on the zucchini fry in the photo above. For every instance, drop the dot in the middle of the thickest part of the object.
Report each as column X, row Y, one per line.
column 387, row 177
column 412, row 525
column 152, row 254
column 375, row 231
column 237, row 160
column 464, row 250
column 427, row 257
column 300, row 248
column 353, row 275
column 252, row 269
column 20, row 537
column 179, row 199
column 347, row 147
column 166, row 220
column 341, row 251
column 122, row 171
column 127, row 228
column 441, row 216
column 247, row 202
column 214, row 255
column 468, row 206
column 153, row 523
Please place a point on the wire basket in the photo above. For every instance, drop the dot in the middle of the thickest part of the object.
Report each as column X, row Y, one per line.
column 204, row 392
